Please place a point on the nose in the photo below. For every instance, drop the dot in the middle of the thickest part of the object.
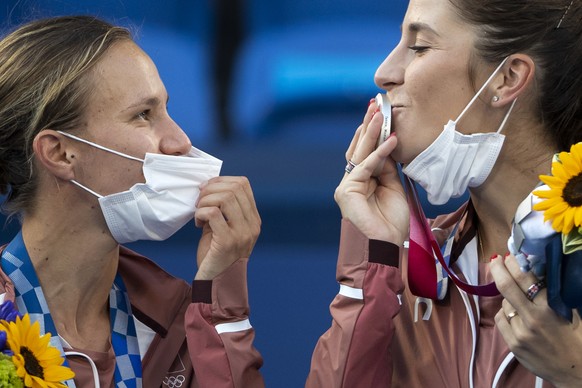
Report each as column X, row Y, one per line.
column 390, row 73
column 174, row 141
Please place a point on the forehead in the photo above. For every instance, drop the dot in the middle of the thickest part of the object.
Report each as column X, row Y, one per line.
column 438, row 15
column 123, row 75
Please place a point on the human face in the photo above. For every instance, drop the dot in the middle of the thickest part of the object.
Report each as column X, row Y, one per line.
column 126, row 112
column 427, row 75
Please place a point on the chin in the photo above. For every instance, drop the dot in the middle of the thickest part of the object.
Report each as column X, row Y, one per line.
column 399, row 156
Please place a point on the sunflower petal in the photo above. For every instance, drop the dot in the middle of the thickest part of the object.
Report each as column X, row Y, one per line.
column 57, row 385
column 568, row 221
column 38, row 382
column 576, row 152
column 27, row 380
column 551, row 181
column 578, row 216
column 559, row 172
column 550, row 193
column 58, row 373
column 547, row 204
column 555, row 193
column 557, row 226
column 557, row 210
column 569, row 163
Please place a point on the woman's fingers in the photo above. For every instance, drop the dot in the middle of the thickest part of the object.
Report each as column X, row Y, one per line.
column 228, row 204
column 361, row 132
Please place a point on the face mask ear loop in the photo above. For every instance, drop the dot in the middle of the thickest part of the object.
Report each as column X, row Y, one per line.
column 506, row 116
column 100, row 146
column 86, row 188
column 481, row 90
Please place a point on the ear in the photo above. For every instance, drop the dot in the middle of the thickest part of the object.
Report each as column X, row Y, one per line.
column 515, row 79
column 55, row 153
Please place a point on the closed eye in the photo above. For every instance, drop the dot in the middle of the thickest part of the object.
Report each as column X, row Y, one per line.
column 419, row 49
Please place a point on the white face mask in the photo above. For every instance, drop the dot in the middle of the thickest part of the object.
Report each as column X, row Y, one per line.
column 158, row 208
column 455, row 161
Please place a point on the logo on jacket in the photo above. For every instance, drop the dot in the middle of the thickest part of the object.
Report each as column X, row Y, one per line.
column 177, row 380
column 174, row 381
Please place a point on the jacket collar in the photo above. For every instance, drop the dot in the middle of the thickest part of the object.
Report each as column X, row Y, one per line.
column 157, row 298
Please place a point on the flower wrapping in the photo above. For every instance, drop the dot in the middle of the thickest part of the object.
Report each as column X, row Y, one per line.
column 546, row 233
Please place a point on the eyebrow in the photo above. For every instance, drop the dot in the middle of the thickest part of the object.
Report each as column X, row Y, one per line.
column 418, row 27
column 151, row 101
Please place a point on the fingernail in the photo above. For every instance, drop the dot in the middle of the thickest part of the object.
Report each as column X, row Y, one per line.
column 371, row 101
column 493, row 257
column 392, row 134
column 507, row 254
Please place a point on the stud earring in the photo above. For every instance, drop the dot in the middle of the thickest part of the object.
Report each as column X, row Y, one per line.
column 495, row 98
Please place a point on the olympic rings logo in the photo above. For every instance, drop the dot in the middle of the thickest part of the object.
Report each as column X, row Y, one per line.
column 174, row 382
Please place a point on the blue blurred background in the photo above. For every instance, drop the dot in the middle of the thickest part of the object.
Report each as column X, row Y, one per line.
column 275, row 89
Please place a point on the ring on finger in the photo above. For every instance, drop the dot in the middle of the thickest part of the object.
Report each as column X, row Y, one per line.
column 534, row 289
column 350, row 166
column 511, row 315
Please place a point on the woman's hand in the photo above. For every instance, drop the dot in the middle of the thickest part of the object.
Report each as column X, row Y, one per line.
column 542, row 341
column 371, row 196
column 230, row 224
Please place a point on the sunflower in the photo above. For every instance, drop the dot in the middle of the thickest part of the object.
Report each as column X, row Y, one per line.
column 37, row 362
column 563, row 200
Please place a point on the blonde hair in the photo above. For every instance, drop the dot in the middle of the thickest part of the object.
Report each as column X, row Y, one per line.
column 44, row 83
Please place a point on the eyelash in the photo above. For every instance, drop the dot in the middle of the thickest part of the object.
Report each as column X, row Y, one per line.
column 419, row 49
column 144, row 115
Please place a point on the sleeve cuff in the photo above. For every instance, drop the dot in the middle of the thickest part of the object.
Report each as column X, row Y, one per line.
column 229, row 295
column 357, row 251
column 202, row 291
column 384, row 252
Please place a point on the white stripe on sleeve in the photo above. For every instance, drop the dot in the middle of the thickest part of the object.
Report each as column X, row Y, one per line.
column 351, row 292
column 233, row 327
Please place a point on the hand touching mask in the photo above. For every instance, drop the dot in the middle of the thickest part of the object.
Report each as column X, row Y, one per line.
column 158, row 208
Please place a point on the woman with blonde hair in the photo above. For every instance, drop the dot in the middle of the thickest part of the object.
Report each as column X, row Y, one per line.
column 90, row 159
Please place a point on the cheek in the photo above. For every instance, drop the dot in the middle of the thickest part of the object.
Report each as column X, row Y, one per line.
column 408, row 148
column 129, row 173
column 119, row 175
column 415, row 134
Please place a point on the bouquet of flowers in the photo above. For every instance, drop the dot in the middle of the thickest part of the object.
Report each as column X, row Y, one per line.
column 547, row 232
column 27, row 359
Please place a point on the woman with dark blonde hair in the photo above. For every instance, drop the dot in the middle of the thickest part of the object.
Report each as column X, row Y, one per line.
column 439, row 303
column 90, row 159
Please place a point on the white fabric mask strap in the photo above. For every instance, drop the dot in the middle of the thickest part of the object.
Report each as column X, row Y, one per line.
column 481, row 90
column 100, row 146
column 506, row 116
column 86, row 188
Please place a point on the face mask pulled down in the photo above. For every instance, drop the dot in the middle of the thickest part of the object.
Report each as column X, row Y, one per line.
column 158, row 208
column 454, row 161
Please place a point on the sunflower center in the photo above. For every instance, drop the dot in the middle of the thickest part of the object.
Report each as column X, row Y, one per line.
column 31, row 364
column 572, row 193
